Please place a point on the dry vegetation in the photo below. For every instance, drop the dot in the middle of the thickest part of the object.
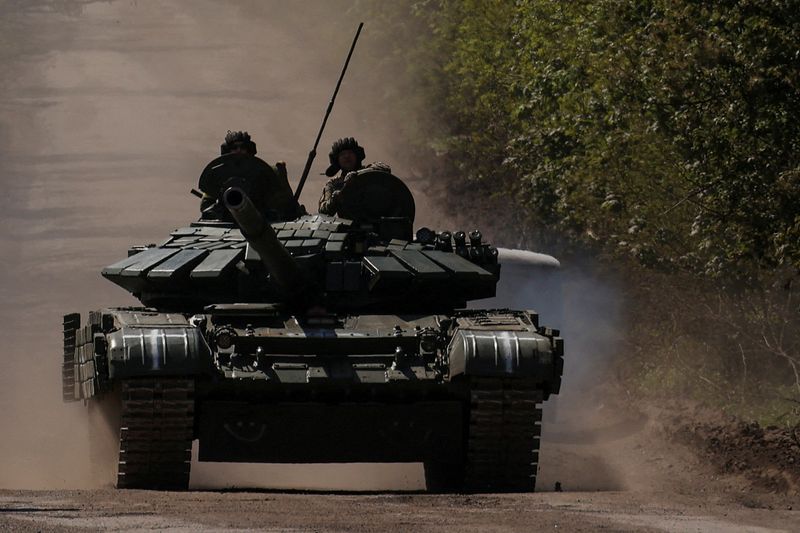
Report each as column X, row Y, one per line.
column 738, row 351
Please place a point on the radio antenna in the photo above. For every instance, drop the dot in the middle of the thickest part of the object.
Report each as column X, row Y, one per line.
column 313, row 153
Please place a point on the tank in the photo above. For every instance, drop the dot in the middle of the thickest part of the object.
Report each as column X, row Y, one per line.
column 271, row 335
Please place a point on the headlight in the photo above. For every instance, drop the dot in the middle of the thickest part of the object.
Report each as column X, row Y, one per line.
column 224, row 337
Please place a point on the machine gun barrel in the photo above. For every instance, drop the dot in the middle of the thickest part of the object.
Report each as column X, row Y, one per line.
column 259, row 233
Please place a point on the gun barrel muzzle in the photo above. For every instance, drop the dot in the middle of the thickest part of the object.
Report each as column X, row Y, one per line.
column 263, row 239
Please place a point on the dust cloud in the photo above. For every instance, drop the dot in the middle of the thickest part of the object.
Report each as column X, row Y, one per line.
column 587, row 435
column 108, row 112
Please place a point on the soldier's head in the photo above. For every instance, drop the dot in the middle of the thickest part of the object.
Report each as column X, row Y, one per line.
column 238, row 142
column 345, row 155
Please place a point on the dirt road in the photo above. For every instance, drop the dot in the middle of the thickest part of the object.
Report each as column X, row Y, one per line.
column 619, row 475
column 108, row 111
column 620, row 479
column 205, row 511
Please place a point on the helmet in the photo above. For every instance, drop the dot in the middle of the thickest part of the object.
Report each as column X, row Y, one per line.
column 237, row 137
column 347, row 143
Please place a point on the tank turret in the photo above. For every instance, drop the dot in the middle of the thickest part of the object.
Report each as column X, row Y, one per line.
column 262, row 238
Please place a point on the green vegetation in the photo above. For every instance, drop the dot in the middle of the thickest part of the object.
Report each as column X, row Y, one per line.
column 668, row 130
column 662, row 133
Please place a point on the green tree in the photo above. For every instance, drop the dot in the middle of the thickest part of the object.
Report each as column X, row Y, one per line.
column 666, row 130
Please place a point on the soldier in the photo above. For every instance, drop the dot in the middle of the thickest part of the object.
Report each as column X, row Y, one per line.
column 238, row 142
column 346, row 157
column 271, row 191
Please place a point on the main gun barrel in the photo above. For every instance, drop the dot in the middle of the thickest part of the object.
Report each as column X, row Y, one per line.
column 260, row 235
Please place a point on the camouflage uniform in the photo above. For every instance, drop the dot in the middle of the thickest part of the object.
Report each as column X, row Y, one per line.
column 328, row 201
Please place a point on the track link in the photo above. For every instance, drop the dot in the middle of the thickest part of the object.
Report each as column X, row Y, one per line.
column 156, row 434
column 504, row 432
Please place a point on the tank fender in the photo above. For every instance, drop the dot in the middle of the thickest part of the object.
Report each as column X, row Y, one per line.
column 169, row 350
column 145, row 344
column 498, row 347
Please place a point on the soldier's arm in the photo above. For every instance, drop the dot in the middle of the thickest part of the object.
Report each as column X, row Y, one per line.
column 378, row 165
column 327, row 201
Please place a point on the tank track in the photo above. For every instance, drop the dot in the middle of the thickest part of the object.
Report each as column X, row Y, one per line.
column 156, row 434
column 504, row 433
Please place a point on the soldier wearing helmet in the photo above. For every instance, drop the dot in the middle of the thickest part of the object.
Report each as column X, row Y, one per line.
column 238, row 142
column 346, row 158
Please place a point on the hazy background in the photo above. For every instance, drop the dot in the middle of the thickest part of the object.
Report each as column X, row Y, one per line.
column 108, row 113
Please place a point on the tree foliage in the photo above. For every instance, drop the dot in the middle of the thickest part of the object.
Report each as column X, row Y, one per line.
column 668, row 130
